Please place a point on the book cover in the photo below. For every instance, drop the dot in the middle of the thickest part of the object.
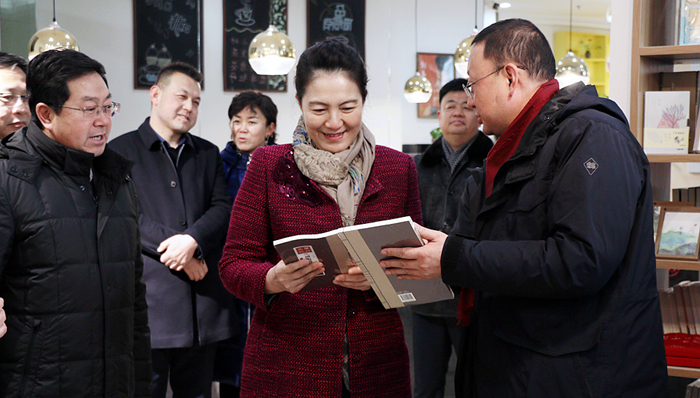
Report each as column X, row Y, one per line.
column 362, row 245
column 685, row 81
column 666, row 118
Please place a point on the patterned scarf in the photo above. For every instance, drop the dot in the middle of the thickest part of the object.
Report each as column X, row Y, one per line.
column 341, row 175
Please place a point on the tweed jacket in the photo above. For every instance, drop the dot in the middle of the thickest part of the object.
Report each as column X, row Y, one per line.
column 296, row 341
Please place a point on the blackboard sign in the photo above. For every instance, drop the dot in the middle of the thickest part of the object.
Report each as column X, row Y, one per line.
column 345, row 19
column 165, row 31
column 243, row 20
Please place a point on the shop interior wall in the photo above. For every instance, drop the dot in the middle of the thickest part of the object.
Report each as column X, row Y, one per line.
column 104, row 31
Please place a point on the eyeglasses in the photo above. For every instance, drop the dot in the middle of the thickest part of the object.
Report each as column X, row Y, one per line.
column 93, row 112
column 468, row 87
column 10, row 99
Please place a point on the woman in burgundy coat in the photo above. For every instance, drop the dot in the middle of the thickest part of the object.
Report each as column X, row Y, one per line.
column 335, row 341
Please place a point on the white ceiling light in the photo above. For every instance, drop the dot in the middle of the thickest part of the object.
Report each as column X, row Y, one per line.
column 417, row 89
column 271, row 53
column 571, row 69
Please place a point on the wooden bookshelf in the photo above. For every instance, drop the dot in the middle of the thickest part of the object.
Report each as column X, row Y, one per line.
column 681, row 371
column 654, row 51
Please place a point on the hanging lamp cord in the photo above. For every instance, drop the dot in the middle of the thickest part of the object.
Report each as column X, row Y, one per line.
column 54, row 10
column 571, row 13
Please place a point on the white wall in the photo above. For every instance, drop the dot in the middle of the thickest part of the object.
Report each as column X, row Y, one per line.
column 104, row 32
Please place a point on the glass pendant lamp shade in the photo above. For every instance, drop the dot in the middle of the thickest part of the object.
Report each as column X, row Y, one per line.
column 271, row 53
column 417, row 89
column 572, row 69
column 464, row 51
column 50, row 38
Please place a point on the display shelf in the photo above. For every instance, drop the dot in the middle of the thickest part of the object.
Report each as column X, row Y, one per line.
column 681, row 371
column 689, row 158
column 654, row 51
column 678, row 264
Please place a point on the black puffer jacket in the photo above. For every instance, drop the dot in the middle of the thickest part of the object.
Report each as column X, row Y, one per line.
column 440, row 192
column 562, row 257
column 70, row 273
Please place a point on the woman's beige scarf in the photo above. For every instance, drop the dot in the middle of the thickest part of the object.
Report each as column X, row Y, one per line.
column 342, row 175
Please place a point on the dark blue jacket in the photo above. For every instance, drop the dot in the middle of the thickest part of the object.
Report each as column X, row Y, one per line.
column 193, row 202
column 562, row 257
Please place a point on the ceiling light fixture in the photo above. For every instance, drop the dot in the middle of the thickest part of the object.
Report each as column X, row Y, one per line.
column 417, row 89
column 571, row 69
column 51, row 37
column 271, row 53
column 464, row 50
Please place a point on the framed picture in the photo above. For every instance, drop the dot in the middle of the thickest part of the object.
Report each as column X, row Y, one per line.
column 340, row 18
column 164, row 32
column 659, row 205
column 438, row 69
column 243, row 20
column 678, row 235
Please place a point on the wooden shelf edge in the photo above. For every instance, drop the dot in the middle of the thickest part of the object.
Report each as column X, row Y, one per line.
column 689, row 158
column 678, row 264
column 686, row 51
column 681, row 371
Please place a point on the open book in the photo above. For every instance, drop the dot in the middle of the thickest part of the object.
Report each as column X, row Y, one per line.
column 362, row 245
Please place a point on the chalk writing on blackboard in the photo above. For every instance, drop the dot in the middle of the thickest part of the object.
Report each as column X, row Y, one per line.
column 243, row 20
column 343, row 19
column 165, row 31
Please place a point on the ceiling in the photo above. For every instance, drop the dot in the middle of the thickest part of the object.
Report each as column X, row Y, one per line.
column 588, row 13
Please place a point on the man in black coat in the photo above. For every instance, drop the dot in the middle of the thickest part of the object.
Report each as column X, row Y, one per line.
column 555, row 236
column 443, row 170
column 185, row 210
column 70, row 263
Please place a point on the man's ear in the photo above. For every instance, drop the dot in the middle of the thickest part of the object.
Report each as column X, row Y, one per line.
column 513, row 75
column 45, row 114
column 155, row 94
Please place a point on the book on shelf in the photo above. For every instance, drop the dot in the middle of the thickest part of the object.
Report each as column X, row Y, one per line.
column 666, row 122
column 362, row 245
column 685, row 81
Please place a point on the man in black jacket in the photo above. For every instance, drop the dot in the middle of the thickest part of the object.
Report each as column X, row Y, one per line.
column 443, row 170
column 185, row 210
column 555, row 236
column 70, row 263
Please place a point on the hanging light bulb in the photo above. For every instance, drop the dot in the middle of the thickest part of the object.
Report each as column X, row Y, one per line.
column 271, row 53
column 51, row 37
column 418, row 89
column 571, row 69
column 464, row 50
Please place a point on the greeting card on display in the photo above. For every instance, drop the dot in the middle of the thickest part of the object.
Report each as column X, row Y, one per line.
column 666, row 128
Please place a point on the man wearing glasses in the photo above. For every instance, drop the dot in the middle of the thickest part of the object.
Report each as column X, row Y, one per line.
column 70, row 263
column 14, row 108
column 553, row 246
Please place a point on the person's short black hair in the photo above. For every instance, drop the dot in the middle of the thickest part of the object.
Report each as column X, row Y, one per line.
column 182, row 67
column 518, row 41
column 330, row 55
column 453, row 85
column 48, row 75
column 11, row 61
column 254, row 100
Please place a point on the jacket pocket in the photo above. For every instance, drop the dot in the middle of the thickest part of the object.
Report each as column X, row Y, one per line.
column 31, row 359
